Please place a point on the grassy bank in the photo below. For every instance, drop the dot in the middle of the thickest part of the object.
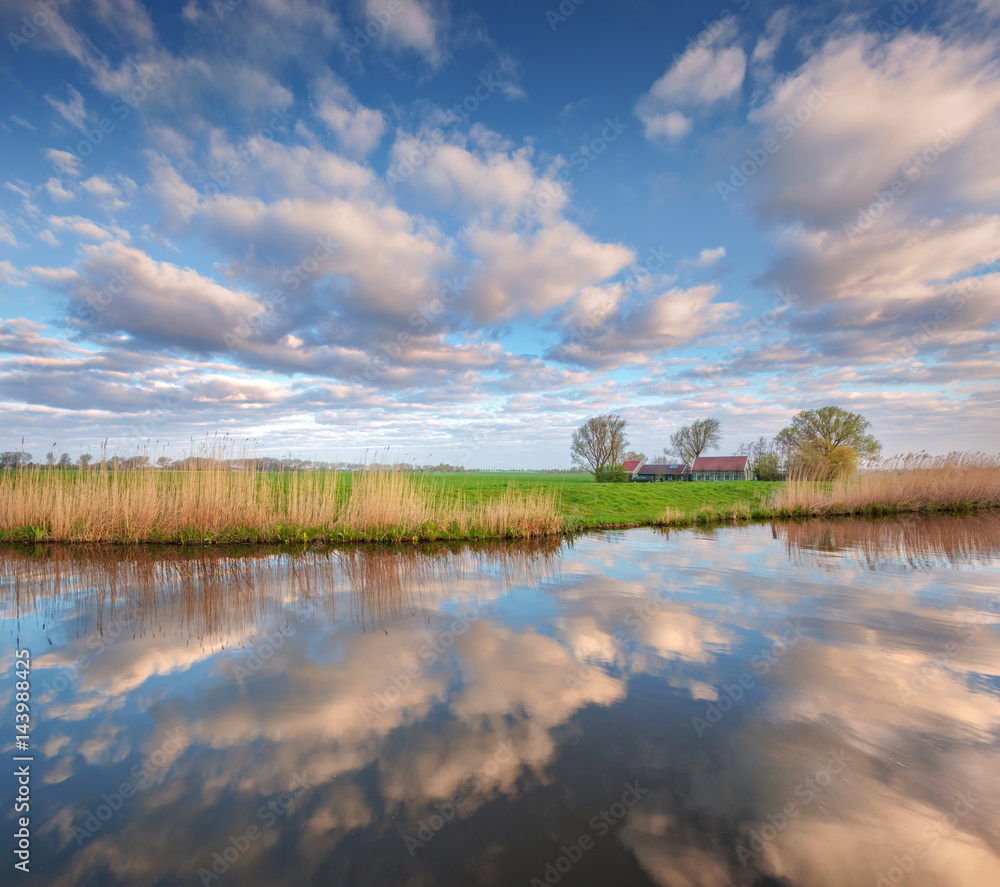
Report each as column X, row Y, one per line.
column 218, row 505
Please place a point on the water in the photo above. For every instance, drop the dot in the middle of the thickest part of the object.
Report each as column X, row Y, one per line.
column 811, row 704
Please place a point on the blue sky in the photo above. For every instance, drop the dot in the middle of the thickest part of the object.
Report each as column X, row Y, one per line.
column 463, row 232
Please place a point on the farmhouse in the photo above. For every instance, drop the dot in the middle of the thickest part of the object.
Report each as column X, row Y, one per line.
column 652, row 472
column 720, row 468
column 703, row 468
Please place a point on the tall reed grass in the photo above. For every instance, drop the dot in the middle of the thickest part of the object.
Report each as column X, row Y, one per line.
column 915, row 482
column 215, row 503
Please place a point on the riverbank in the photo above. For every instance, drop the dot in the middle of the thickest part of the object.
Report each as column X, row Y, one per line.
column 221, row 506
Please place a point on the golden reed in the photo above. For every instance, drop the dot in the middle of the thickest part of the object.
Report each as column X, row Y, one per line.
column 914, row 482
column 216, row 503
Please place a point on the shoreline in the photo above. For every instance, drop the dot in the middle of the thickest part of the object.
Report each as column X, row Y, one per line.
column 707, row 517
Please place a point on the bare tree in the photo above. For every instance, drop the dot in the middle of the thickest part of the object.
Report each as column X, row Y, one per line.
column 763, row 458
column 692, row 440
column 14, row 459
column 85, row 460
column 65, row 461
column 600, row 443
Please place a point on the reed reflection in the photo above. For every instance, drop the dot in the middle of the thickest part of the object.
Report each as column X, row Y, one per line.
column 915, row 543
column 212, row 594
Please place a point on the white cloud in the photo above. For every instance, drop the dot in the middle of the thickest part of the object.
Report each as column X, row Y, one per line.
column 636, row 327
column 710, row 256
column 20, row 121
column 109, row 195
column 700, row 78
column 68, row 164
column 73, row 110
column 87, row 228
column 358, row 129
column 884, row 192
column 418, row 25
column 56, row 191
column 10, row 275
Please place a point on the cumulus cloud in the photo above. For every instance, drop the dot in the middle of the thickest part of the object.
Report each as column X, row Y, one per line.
column 637, row 329
column 709, row 72
column 891, row 226
column 358, row 129
column 418, row 25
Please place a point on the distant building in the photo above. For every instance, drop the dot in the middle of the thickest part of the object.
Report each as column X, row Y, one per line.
column 703, row 468
column 652, row 472
column 719, row 468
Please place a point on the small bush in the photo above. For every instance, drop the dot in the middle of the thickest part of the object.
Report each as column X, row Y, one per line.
column 613, row 474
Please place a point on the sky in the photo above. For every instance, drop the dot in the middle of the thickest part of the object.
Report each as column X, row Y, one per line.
column 457, row 230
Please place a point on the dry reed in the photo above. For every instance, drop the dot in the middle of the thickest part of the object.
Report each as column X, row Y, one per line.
column 915, row 482
column 216, row 503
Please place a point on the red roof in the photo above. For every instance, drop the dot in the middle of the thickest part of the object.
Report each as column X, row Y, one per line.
column 657, row 468
column 720, row 463
column 630, row 466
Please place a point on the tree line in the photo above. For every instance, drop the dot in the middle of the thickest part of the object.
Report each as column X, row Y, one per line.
column 13, row 459
column 817, row 445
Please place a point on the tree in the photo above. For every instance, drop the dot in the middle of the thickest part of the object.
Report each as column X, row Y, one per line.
column 692, row 440
column 50, row 459
column 14, row 459
column 85, row 460
column 827, row 442
column 633, row 456
column 163, row 461
column 763, row 460
column 65, row 461
column 600, row 443
column 767, row 467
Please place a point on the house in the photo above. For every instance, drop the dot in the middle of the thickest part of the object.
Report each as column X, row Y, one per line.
column 630, row 467
column 719, row 468
column 651, row 473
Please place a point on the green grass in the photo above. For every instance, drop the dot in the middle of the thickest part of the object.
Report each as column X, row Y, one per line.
column 586, row 504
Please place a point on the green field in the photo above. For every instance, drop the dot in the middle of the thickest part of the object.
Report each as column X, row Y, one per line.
column 585, row 504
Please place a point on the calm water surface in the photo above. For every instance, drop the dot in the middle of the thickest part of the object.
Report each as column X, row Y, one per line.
column 811, row 704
